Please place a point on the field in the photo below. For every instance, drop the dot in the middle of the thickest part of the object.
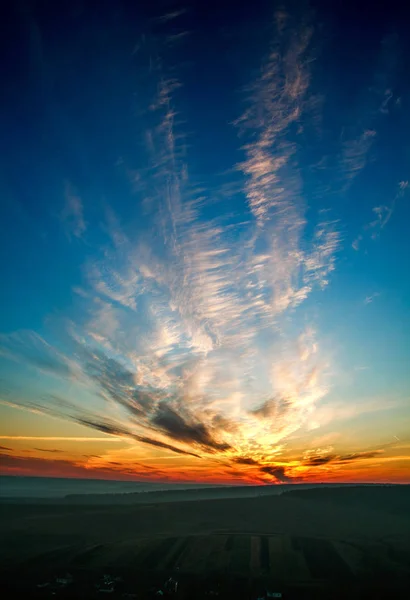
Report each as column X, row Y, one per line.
column 306, row 542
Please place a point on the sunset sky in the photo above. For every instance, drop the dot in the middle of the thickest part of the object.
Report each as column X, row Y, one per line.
column 205, row 242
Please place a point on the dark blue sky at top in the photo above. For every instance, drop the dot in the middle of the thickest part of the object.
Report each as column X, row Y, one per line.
column 72, row 90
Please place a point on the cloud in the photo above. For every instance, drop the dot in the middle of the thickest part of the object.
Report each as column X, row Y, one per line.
column 278, row 472
column 28, row 347
column 356, row 242
column 53, row 450
column 159, row 444
column 175, row 425
column 355, row 153
column 19, row 465
column 272, row 408
column 244, row 460
column 259, row 470
column 118, row 382
column 360, row 133
column 359, row 455
column 320, row 457
column 115, row 429
column 60, row 407
column 382, row 215
column 288, row 270
column 170, row 16
column 316, row 461
column 369, row 299
column 72, row 214
column 279, row 96
column 4, row 448
column 329, row 412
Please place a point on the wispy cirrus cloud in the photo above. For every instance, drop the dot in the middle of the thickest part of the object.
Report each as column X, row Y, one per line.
column 326, row 413
column 72, row 214
column 381, row 216
column 355, row 154
column 360, row 132
column 288, row 268
column 369, row 299
column 29, row 348
column 383, row 213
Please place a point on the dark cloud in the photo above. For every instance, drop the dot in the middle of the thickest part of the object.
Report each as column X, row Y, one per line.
column 5, row 449
column 47, row 449
column 274, row 408
column 63, row 408
column 103, row 426
column 152, row 442
column 189, row 431
column 22, row 465
column 265, row 410
column 147, row 408
column 244, row 460
column 145, row 467
column 278, row 472
column 261, row 470
column 359, row 455
column 119, row 383
column 233, row 473
column 44, row 465
column 114, row 429
column 318, row 460
column 224, row 424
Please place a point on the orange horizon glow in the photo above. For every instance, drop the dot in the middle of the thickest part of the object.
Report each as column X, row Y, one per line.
column 122, row 461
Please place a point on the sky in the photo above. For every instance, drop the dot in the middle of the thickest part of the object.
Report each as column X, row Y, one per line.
column 204, row 242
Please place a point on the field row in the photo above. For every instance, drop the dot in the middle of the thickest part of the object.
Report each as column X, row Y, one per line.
column 280, row 556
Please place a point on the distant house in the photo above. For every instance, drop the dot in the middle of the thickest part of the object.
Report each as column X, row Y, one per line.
column 66, row 580
column 107, row 585
column 268, row 594
column 171, row 586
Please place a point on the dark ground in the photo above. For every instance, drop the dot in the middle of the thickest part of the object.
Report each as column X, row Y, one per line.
column 349, row 542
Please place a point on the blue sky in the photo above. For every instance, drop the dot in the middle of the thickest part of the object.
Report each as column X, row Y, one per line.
column 204, row 236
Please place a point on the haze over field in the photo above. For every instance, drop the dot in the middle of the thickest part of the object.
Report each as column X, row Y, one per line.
column 205, row 242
